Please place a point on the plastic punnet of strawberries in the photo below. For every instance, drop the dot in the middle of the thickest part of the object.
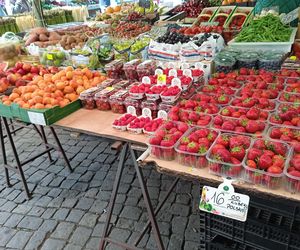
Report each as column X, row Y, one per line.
column 265, row 162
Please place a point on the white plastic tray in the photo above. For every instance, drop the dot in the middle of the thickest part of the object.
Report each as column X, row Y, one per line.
column 284, row 47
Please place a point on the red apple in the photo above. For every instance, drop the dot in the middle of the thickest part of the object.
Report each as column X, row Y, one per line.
column 34, row 70
column 21, row 82
column 19, row 65
column 12, row 78
column 26, row 67
column 22, row 72
column 4, row 80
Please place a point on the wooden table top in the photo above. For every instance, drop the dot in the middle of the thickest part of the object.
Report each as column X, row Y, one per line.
column 99, row 123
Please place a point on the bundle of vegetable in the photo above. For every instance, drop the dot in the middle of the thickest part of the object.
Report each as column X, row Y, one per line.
column 267, row 28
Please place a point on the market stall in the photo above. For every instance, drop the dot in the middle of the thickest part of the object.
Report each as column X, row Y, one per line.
column 210, row 97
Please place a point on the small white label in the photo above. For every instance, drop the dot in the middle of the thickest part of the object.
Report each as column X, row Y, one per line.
column 171, row 65
column 158, row 72
column 146, row 112
column 185, row 66
column 187, row 72
column 173, row 72
column 198, row 65
column 162, row 114
column 131, row 110
column 36, row 118
column 176, row 82
column 146, row 80
column 289, row 17
column 224, row 201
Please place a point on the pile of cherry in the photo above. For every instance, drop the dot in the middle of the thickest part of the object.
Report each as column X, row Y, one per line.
column 242, row 124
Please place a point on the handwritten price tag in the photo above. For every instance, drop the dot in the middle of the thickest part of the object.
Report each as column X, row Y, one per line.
column 224, row 201
column 161, row 79
column 49, row 56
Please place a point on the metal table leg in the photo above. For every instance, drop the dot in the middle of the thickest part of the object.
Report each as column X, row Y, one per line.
column 152, row 221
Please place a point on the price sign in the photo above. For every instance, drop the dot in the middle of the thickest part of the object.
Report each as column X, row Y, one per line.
column 158, row 72
column 131, row 110
column 146, row 80
column 289, row 17
column 146, row 112
column 161, row 79
column 224, row 201
column 162, row 114
column 185, row 66
column 187, row 72
column 173, row 72
column 176, row 82
column 36, row 118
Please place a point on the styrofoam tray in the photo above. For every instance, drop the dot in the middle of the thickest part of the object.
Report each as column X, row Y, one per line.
column 284, row 47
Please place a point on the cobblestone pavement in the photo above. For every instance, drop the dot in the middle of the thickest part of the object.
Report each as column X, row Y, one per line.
column 68, row 211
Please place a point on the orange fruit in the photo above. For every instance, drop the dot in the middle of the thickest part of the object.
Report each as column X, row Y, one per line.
column 39, row 106
column 25, row 106
column 27, row 96
column 64, row 102
column 31, row 102
column 68, row 90
column 48, row 106
column 60, row 85
column 47, row 100
column 79, row 89
column 69, row 68
column 58, row 93
column 38, row 99
column 7, row 102
column 69, row 75
column 73, row 84
column 13, row 96
column 72, row 97
column 54, row 102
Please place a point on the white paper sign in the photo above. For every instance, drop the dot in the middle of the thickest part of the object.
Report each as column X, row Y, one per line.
column 187, row 72
column 173, row 72
column 36, row 118
column 131, row 110
column 162, row 114
column 146, row 112
column 158, row 72
column 185, row 66
column 176, row 82
column 224, row 201
column 146, row 80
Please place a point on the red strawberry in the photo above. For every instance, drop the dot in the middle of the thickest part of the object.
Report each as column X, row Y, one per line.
column 223, row 155
column 192, row 147
column 238, row 152
column 253, row 114
column 254, row 154
column 252, row 126
column 224, row 140
column 264, row 162
column 184, row 141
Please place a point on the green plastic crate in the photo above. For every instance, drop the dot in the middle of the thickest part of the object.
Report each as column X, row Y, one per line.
column 36, row 116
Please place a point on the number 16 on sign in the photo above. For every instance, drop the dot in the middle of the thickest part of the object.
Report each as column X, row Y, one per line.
column 224, row 201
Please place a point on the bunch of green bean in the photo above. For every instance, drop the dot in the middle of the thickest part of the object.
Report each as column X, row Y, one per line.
column 268, row 28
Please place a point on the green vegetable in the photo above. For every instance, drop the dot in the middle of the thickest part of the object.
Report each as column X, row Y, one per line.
column 268, row 28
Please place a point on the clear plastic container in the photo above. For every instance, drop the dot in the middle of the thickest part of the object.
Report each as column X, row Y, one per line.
column 224, row 63
column 146, row 68
column 285, row 134
column 142, row 121
column 292, row 174
column 168, row 98
column 122, row 122
column 134, row 103
column 293, row 88
column 87, row 97
column 270, row 94
column 207, row 108
column 196, row 160
column 213, row 89
column 102, row 98
column 220, row 168
column 165, row 106
column 107, row 83
column 240, row 126
column 218, row 99
column 248, row 60
column 116, row 101
column 152, row 126
column 264, row 178
column 9, row 50
column 263, row 103
column 193, row 118
column 289, row 97
column 122, row 84
column 114, row 69
column 166, row 153
column 277, row 119
column 152, row 105
column 236, row 112
column 130, row 69
column 270, row 61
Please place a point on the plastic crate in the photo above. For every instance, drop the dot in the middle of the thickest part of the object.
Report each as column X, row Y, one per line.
column 271, row 224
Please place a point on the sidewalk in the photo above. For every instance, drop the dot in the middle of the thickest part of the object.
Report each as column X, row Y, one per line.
column 68, row 211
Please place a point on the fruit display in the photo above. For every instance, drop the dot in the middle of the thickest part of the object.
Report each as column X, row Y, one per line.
column 154, row 92
column 192, row 8
column 139, row 44
column 202, row 107
column 101, row 98
column 245, row 113
column 57, row 89
column 265, row 162
column 137, row 91
column 116, row 101
column 286, row 134
column 191, row 149
column 173, row 38
column 53, row 57
column 137, row 125
column 130, row 102
column 114, row 69
column 219, row 90
column 152, row 107
column 191, row 31
column 247, row 92
column 222, row 100
column 124, row 84
column 87, row 98
column 122, row 122
column 293, row 172
column 224, row 63
column 171, row 94
column 146, row 68
column 9, row 50
column 152, row 126
column 163, row 141
column 21, row 74
column 129, row 29
column 249, row 102
column 247, row 60
column 289, row 97
column 227, row 153
column 130, row 69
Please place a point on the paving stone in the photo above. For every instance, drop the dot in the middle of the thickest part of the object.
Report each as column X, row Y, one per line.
column 43, row 201
column 190, row 245
column 68, row 183
column 131, row 212
column 63, row 230
column 61, row 214
column 19, row 240
column 73, row 176
column 8, row 206
column 72, row 247
column 179, row 224
column 183, row 199
column 54, row 192
column 180, row 209
column 176, row 242
column 13, row 195
column 13, row 220
column 53, row 244
column 131, row 201
column 142, row 243
column 80, row 186
column 81, row 236
column 36, row 240
column 98, row 206
column 125, row 224
column 36, row 211
column 164, row 228
column 91, row 193
column 151, row 244
column 48, row 213
column 93, row 243
column 4, row 217
column 87, row 176
column 98, row 230
column 75, row 215
column 48, row 226
column 6, row 235
column 56, row 181
column 56, row 202
column 89, row 220
column 120, row 234
column 101, row 158
column 69, row 203
column 85, row 203
column 30, row 222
